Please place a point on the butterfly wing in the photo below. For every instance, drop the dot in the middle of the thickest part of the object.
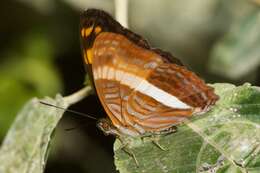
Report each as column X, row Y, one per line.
column 116, row 72
column 142, row 89
column 169, row 95
column 140, row 92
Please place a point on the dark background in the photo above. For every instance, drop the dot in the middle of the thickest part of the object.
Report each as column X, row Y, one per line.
column 40, row 56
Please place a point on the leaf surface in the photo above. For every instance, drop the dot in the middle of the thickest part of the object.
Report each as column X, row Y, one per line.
column 25, row 148
column 225, row 139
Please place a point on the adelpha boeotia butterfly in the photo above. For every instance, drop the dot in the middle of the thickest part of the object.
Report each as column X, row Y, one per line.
column 143, row 90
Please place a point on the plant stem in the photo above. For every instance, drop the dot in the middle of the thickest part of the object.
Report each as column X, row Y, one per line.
column 121, row 7
column 77, row 96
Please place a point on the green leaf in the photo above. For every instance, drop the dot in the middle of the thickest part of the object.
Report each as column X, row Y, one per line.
column 25, row 147
column 225, row 139
column 238, row 52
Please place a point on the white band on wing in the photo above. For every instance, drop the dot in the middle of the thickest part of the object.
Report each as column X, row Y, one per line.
column 139, row 84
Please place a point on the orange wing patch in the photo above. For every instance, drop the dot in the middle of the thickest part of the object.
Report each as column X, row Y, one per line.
column 98, row 29
column 85, row 32
column 82, row 32
column 89, row 56
column 88, row 31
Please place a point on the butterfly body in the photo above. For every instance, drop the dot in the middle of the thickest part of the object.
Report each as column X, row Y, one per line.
column 143, row 90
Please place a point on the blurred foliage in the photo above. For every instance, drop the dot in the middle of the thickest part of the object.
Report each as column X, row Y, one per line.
column 26, row 72
column 188, row 29
column 226, row 139
column 238, row 52
column 41, row 6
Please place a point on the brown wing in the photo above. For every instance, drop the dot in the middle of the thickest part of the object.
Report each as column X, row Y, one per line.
column 139, row 91
column 183, row 84
column 147, row 114
column 116, row 63
column 139, row 87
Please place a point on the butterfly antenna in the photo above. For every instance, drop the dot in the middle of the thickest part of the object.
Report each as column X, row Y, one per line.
column 68, row 110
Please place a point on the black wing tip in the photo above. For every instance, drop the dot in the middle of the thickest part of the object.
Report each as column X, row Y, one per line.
column 100, row 16
column 93, row 12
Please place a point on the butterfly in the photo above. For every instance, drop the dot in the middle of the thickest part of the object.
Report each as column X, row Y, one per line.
column 143, row 90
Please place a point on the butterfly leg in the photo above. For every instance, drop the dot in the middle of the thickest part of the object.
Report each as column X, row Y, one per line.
column 127, row 150
column 109, row 129
column 155, row 140
column 155, row 136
